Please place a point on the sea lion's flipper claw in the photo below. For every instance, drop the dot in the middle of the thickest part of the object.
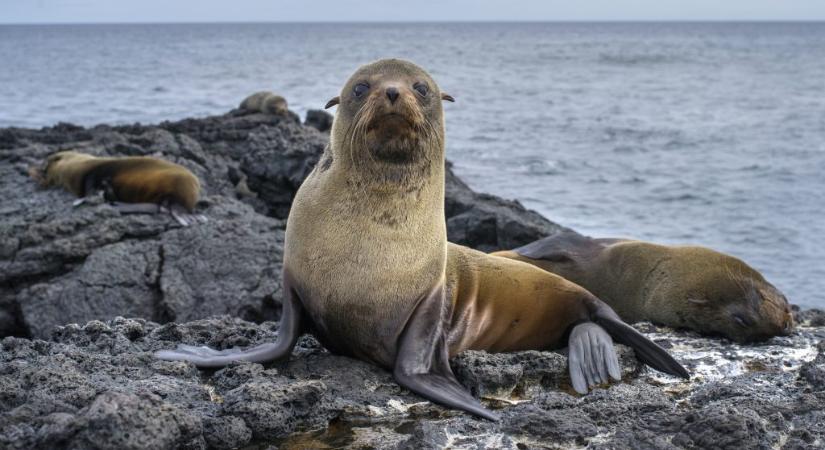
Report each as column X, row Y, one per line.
column 592, row 357
column 646, row 350
column 179, row 218
column 184, row 217
column 422, row 364
column 288, row 333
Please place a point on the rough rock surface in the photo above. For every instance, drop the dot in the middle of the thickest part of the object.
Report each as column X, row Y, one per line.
column 319, row 119
column 60, row 264
column 96, row 385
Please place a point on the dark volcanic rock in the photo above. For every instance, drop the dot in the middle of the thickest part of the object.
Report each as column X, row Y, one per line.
column 488, row 223
column 319, row 119
column 98, row 386
column 60, row 264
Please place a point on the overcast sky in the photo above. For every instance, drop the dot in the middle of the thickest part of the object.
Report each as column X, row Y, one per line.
column 92, row 11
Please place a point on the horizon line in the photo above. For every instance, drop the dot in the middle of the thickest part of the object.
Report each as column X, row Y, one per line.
column 390, row 22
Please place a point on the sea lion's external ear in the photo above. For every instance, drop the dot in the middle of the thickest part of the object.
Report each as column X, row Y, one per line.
column 448, row 97
column 332, row 102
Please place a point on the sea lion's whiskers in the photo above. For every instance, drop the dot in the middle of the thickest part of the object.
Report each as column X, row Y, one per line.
column 381, row 294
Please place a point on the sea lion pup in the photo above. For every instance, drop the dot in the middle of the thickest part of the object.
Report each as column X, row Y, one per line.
column 135, row 184
column 368, row 269
column 265, row 102
column 680, row 286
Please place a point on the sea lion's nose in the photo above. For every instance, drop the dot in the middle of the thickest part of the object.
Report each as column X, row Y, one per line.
column 392, row 94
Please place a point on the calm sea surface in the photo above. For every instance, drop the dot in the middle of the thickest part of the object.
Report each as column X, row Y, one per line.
column 676, row 133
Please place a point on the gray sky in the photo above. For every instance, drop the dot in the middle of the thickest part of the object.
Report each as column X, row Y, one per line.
column 91, row 11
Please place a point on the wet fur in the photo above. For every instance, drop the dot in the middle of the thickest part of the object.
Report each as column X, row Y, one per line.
column 366, row 242
column 368, row 264
column 133, row 179
column 367, row 237
column 680, row 286
column 265, row 102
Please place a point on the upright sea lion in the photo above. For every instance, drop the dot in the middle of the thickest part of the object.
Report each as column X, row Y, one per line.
column 369, row 271
column 265, row 102
column 679, row 286
column 136, row 184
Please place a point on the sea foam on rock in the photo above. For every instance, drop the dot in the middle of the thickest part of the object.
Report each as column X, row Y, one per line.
column 74, row 374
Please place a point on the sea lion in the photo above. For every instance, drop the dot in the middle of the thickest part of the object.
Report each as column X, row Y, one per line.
column 265, row 102
column 135, row 184
column 679, row 286
column 368, row 269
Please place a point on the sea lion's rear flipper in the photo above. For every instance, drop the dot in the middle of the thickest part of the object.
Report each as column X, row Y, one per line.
column 288, row 334
column 177, row 212
column 422, row 364
column 559, row 248
column 592, row 357
column 184, row 217
column 646, row 350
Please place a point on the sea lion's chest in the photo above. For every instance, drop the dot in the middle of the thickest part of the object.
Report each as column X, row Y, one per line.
column 358, row 280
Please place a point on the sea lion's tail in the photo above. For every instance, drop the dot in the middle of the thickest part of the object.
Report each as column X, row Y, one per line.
column 646, row 350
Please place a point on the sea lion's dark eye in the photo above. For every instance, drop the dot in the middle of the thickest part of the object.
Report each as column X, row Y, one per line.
column 360, row 89
column 421, row 88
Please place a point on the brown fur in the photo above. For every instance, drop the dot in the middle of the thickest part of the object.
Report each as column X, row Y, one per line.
column 265, row 102
column 366, row 237
column 368, row 270
column 680, row 286
column 134, row 179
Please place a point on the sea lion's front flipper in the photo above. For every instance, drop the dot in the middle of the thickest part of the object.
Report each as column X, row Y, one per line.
column 288, row 334
column 559, row 248
column 592, row 357
column 422, row 364
column 646, row 350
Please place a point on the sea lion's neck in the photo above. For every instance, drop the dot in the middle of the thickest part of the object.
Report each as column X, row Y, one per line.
column 397, row 191
column 396, row 196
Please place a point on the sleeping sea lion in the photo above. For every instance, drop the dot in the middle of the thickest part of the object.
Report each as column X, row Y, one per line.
column 368, row 269
column 135, row 184
column 679, row 286
column 265, row 102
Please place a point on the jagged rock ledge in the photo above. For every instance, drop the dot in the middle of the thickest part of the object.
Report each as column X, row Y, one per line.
column 96, row 385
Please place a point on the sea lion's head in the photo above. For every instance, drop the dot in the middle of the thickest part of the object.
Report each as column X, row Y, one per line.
column 389, row 124
column 276, row 105
column 47, row 172
column 726, row 296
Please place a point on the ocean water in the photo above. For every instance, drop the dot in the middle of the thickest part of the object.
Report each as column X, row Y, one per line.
column 711, row 134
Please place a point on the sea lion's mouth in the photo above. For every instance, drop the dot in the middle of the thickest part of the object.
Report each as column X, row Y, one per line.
column 391, row 120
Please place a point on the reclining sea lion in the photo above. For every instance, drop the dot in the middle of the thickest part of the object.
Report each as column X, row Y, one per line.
column 368, row 269
column 136, row 184
column 679, row 286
